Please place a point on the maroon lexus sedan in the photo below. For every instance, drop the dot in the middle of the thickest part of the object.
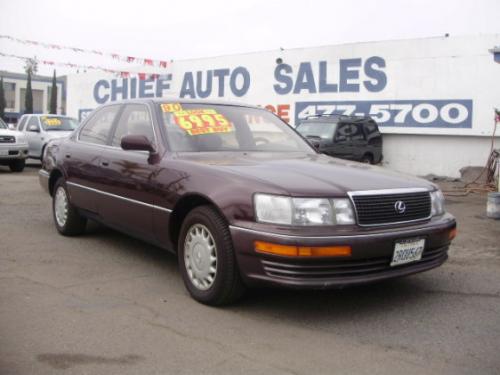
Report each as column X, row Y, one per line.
column 242, row 199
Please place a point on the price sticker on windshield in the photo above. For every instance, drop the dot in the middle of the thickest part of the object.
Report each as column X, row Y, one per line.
column 51, row 121
column 171, row 107
column 202, row 121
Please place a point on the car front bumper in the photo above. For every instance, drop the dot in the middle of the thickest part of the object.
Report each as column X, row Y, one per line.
column 372, row 252
column 13, row 151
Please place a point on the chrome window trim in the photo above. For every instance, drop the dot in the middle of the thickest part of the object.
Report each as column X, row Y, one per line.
column 119, row 197
column 352, row 194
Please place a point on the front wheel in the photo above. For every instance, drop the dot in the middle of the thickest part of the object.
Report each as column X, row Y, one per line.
column 17, row 165
column 207, row 260
column 66, row 217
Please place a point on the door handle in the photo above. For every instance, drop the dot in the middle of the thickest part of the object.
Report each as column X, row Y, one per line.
column 68, row 156
column 105, row 163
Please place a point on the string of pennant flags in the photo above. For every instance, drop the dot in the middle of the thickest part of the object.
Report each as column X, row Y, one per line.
column 114, row 56
column 120, row 73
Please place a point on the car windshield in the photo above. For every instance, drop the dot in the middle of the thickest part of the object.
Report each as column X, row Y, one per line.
column 3, row 125
column 58, row 123
column 324, row 130
column 207, row 127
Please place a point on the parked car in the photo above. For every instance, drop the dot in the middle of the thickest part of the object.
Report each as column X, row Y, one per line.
column 13, row 148
column 242, row 199
column 41, row 128
column 347, row 137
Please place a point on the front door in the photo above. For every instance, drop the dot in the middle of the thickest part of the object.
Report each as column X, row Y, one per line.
column 34, row 136
column 128, row 203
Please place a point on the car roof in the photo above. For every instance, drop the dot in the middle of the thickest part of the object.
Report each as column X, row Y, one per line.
column 44, row 114
column 182, row 101
column 335, row 118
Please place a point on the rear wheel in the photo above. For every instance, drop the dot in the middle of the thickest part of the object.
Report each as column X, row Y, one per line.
column 17, row 165
column 367, row 159
column 207, row 260
column 66, row 217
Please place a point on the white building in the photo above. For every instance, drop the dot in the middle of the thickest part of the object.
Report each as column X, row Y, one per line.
column 15, row 92
column 433, row 98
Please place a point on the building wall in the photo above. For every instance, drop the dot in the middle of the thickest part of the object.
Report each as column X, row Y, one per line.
column 433, row 97
column 41, row 86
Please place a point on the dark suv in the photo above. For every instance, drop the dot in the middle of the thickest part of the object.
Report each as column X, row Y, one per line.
column 347, row 137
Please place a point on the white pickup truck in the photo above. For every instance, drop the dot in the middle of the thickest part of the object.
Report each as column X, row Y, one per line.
column 13, row 148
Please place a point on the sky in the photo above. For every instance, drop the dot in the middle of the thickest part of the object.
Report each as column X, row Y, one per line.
column 186, row 29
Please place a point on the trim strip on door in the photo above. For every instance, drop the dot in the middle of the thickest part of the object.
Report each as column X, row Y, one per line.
column 119, row 197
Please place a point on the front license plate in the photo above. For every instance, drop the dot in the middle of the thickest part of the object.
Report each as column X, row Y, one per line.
column 4, row 152
column 407, row 251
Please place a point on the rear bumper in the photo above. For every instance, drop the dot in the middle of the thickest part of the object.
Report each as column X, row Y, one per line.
column 370, row 261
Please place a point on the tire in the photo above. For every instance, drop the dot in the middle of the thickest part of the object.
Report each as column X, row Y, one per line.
column 17, row 165
column 66, row 217
column 210, row 233
column 367, row 159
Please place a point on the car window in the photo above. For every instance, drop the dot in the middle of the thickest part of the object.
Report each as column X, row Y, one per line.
column 58, row 123
column 3, row 125
column 97, row 129
column 33, row 121
column 343, row 132
column 20, row 127
column 194, row 127
column 357, row 133
column 324, row 130
column 134, row 120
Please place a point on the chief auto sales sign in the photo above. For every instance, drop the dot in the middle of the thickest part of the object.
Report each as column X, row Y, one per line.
column 295, row 83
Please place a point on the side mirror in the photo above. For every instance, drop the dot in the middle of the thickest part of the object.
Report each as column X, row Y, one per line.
column 34, row 128
column 137, row 143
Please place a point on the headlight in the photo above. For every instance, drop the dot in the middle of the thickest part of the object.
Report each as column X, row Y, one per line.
column 303, row 211
column 437, row 203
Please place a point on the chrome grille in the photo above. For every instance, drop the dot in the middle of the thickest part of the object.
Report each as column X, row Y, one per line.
column 379, row 209
column 7, row 139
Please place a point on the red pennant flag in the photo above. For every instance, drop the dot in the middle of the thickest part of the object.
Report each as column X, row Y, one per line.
column 124, row 74
column 130, row 59
column 148, row 62
column 154, row 76
column 142, row 76
column 163, row 64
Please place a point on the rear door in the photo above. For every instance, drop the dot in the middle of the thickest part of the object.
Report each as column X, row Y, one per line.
column 358, row 141
column 82, row 158
column 342, row 147
column 129, row 176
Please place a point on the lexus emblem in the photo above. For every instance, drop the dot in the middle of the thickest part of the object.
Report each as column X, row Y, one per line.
column 400, row 207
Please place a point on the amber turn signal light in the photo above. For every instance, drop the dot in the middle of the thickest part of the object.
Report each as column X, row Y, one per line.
column 302, row 251
column 452, row 234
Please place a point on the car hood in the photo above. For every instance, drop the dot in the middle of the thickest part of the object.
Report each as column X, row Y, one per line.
column 301, row 174
column 15, row 133
column 54, row 134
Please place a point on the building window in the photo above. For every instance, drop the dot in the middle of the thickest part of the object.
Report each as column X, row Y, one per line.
column 37, row 101
column 10, row 94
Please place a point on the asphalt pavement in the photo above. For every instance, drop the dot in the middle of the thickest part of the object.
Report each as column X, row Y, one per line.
column 104, row 303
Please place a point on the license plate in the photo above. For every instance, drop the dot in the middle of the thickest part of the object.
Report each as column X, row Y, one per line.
column 407, row 251
column 4, row 152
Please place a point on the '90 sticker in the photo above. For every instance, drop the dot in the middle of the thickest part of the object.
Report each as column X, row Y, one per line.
column 171, row 107
column 202, row 121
